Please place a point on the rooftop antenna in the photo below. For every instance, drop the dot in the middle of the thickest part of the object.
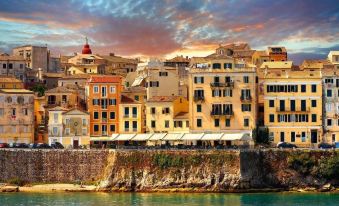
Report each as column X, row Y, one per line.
column 86, row 39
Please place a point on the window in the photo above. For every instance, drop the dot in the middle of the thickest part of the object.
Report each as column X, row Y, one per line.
column 246, row 79
column 329, row 81
column 328, row 107
column 216, row 66
column 246, row 122
column 55, row 117
column 314, row 117
column 112, row 102
column 282, row 136
column 126, row 126
column 95, row 89
column 199, row 122
column 166, row 110
column 95, row 115
column 84, row 131
column 67, row 121
column 329, row 122
column 54, row 132
column 163, row 74
column 104, row 129
column 228, row 66
column 227, row 122
column 104, row 103
column 292, row 105
column 271, row 117
column 112, row 127
column 153, row 124
column 25, row 111
column 246, row 107
column 271, row 136
column 303, row 88
column 292, row 136
column 216, row 93
column 303, row 136
column 166, row 124
column 314, row 88
column 112, row 89
column 134, row 112
column 104, row 115
column 4, row 66
column 314, row 103
column 21, row 66
column 198, row 80
column 67, row 131
column 227, row 92
column 154, row 84
column 303, row 105
column 282, row 105
column 126, row 112
column 271, row 103
column 329, row 93
column 153, row 110
column 84, row 122
column 112, row 115
column 216, row 122
column 103, row 91
column 135, row 125
column 198, row 107
column 96, row 128
column 136, row 98
column 96, row 102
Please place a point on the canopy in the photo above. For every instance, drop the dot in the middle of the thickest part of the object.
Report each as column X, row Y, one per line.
column 236, row 136
column 100, row 139
column 157, row 136
column 173, row 136
column 212, row 136
column 192, row 136
column 124, row 137
column 141, row 137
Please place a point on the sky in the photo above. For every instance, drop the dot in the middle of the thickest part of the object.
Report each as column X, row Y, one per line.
column 309, row 29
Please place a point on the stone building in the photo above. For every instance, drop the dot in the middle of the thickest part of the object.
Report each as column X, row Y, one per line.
column 13, row 66
column 36, row 56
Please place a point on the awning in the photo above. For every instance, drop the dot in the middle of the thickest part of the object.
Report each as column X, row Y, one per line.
column 141, row 137
column 173, row 136
column 212, row 136
column 157, row 136
column 124, row 137
column 100, row 139
column 138, row 81
column 192, row 136
column 236, row 136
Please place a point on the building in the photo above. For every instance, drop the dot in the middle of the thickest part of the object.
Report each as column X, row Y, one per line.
column 76, row 79
column 64, row 96
column 16, row 116
column 277, row 53
column 333, row 57
column 40, row 123
column 55, row 124
column 36, row 56
column 119, row 65
column 167, row 114
column 51, row 79
column 76, row 128
column 103, row 95
column 130, row 116
column 223, row 94
column 7, row 82
column 181, row 63
column 86, row 69
column 293, row 103
column 13, row 66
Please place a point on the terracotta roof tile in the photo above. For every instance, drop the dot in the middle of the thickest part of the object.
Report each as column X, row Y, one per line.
column 162, row 99
column 105, row 79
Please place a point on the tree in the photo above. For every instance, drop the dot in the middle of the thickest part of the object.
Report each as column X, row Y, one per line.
column 40, row 89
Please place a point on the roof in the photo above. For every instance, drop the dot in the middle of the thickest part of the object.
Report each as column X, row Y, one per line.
column 277, row 49
column 277, row 65
column 314, row 63
column 16, row 91
column 11, row 58
column 118, row 59
column 53, row 75
column 9, row 79
column 105, row 79
column 30, row 45
column 77, row 76
column 181, row 115
column 179, row 59
column 333, row 53
column 58, row 108
column 243, row 53
column 262, row 53
column 162, row 99
column 127, row 100
column 236, row 46
column 75, row 111
column 62, row 89
column 134, row 90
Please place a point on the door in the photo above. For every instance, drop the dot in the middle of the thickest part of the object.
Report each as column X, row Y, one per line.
column 75, row 144
column 314, row 136
column 282, row 136
column 292, row 136
column 282, row 105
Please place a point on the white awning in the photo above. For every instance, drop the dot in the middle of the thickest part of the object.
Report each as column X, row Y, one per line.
column 192, row 136
column 236, row 136
column 157, row 136
column 141, row 137
column 105, row 138
column 212, row 136
column 173, row 136
column 124, row 137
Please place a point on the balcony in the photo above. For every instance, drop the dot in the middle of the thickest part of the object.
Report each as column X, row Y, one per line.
column 220, row 113
column 296, row 109
column 246, row 98
column 104, row 119
column 219, row 84
column 199, row 98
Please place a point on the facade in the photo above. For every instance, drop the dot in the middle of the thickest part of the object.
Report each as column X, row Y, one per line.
column 51, row 79
column 103, row 95
column 7, row 82
column 119, row 65
column 13, row 66
column 333, row 57
column 277, row 54
column 293, row 104
column 76, row 128
column 130, row 116
column 222, row 93
column 64, row 96
column 40, row 123
column 16, row 116
column 86, row 69
column 167, row 114
column 77, row 79
column 55, row 124
column 36, row 56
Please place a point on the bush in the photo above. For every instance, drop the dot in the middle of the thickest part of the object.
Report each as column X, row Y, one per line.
column 165, row 161
column 302, row 163
column 329, row 168
column 16, row 181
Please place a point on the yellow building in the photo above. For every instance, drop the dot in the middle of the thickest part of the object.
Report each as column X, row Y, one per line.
column 292, row 103
column 86, row 69
column 223, row 94
column 167, row 114
column 130, row 120
column 40, row 123
column 16, row 116
column 7, row 82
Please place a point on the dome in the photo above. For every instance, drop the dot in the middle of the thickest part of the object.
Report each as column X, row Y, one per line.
column 86, row 49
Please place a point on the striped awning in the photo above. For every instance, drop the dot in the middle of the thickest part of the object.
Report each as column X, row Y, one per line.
column 157, row 136
column 173, row 136
column 212, row 136
column 236, row 136
column 124, row 137
column 141, row 137
column 192, row 136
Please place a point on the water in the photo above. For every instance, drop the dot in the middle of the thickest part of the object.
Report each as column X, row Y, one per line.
column 155, row 199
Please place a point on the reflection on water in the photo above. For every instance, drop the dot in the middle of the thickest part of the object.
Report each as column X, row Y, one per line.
column 155, row 199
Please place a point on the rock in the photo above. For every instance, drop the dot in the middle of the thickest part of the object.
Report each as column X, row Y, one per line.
column 9, row 189
column 325, row 188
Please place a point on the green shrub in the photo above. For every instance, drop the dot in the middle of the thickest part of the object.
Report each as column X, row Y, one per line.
column 165, row 161
column 16, row 181
column 301, row 162
column 329, row 168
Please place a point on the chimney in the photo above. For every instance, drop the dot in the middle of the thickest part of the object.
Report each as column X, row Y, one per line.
column 111, row 54
column 186, row 57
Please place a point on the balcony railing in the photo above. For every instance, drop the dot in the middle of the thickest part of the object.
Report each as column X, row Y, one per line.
column 246, row 98
column 221, row 113
column 219, row 84
column 296, row 109
column 199, row 98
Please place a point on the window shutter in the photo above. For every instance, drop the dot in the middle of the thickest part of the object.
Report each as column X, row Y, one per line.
column 195, row 80
column 202, row 79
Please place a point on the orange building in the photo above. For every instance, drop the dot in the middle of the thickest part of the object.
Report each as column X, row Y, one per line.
column 103, row 98
column 277, row 54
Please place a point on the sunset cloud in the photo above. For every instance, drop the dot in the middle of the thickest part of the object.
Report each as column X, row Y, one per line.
column 166, row 28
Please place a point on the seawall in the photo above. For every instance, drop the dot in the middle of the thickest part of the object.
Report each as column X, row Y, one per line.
column 174, row 170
